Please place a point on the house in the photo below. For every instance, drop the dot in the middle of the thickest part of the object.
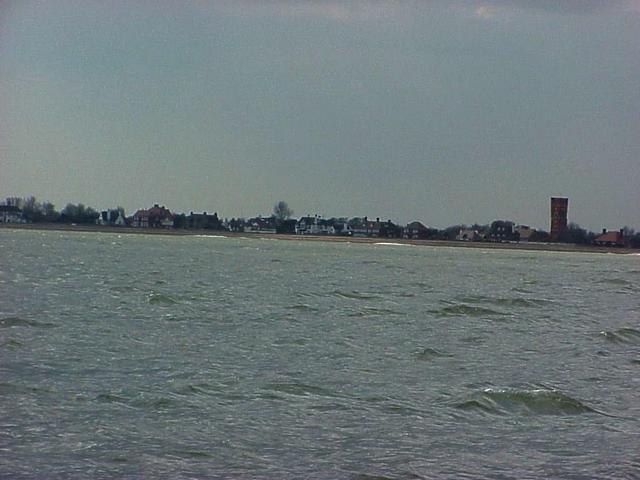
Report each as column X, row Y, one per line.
column 389, row 229
column 415, row 231
column 524, row 232
column 260, row 225
column 468, row 235
column 10, row 214
column 204, row 221
column 140, row 219
column 610, row 239
column 340, row 226
column 235, row 224
column 111, row 217
column 363, row 227
column 314, row 226
column 502, row 231
column 155, row 217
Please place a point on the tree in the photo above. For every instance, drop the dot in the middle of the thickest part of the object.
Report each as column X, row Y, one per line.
column 31, row 209
column 282, row 211
column 49, row 212
column 539, row 236
column 78, row 214
column 451, row 232
column 576, row 234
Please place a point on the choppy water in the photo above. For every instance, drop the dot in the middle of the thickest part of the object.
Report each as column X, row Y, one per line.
column 189, row 357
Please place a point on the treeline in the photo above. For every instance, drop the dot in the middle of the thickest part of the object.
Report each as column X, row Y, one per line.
column 35, row 211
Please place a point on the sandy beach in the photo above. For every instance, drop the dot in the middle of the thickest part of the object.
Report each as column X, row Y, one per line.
column 551, row 247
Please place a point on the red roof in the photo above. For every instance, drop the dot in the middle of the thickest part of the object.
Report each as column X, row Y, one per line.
column 610, row 237
column 159, row 212
column 154, row 212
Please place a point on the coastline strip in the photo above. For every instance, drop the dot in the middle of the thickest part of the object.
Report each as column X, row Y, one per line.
column 547, row 247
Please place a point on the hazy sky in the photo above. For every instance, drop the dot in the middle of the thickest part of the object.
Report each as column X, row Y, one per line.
column 440, row 111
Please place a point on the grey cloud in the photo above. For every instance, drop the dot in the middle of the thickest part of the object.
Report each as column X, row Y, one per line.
column 563, row 6
column 377, row 9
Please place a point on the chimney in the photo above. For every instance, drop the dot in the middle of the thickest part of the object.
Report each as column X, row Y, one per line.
column 604, row 230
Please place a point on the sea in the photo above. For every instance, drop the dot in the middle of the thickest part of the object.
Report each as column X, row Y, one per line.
column 204, row 357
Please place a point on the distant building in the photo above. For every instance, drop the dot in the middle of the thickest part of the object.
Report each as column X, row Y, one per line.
column 314, row 226
column 363, row 227
column 260, row 225
column 416, row 230
column 204, row 221
column 468, row 235
column 10, row 214
column 155, row 217
column 610, row 239
column 111, row 217
column 559, row 208
column 502, row 231
column 389, row 229
column 524, row 232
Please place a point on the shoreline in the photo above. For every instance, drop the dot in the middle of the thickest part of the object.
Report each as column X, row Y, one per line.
column 545, row 247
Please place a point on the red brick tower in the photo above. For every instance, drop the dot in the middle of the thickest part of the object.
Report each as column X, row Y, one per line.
column 559, row 208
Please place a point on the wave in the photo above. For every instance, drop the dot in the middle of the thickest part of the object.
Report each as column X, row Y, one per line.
column 354, row 295
column 367, row 476
column 506, row 301
column 428, row 354
column 161, row 299
column 615, row 281
column 473, row 340
column 464, row 310
column 11, row 344
column 622, row 335
column 524, row 402
column 110, row 398
column 194, row 389
column 156, row 402
column 9, row 322
column 393, row 244
column 375, row 312
column 142, row 401
column 197, row 454
column 300, row 389
column 303, row 307
column 7, row 388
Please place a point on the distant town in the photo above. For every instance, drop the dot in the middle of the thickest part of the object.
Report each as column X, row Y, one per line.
column 28, row 210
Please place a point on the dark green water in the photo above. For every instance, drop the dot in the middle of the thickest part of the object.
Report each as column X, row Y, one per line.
column 161, row 357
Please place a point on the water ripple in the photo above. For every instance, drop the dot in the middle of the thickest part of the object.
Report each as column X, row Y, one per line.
column 464, row 310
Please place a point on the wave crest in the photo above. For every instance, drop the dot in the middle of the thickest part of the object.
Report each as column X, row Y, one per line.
column 622, row 335
column 524, row 402
column 161, row 299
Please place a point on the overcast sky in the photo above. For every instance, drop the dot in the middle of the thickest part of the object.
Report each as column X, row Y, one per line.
column 452, row 111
